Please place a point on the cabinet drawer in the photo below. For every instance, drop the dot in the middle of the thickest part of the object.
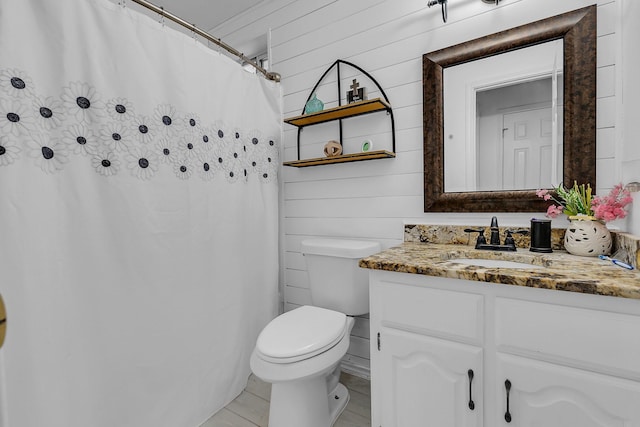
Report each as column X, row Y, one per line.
column 435, row 312
column 592, row 339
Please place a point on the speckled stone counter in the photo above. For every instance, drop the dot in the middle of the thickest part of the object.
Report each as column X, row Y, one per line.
column 455, row 234
column 561, row 271
column 626, row 247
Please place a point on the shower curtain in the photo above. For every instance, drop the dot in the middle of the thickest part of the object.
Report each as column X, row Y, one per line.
column 138, row 218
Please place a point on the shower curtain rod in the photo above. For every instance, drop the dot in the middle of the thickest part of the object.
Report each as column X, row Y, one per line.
column 163, row 13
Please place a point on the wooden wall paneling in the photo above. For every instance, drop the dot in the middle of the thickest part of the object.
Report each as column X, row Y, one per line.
column 359, row 347
column 409, row 93
column 301, row 84
column 406, row 117
column 607, row 19
column 382, row 140
column 361, row 327
column 340, row 28
column 357, row 365
column 354, row 207
column 606, row 50
column 410, row 139
column 294, row 260
column 288, row 306
column 297, row 278
column 607, row 177
column 607, row 109
column 273, row 14
column 393, row 185
column 606, row 143
column 606, row 85
column 388, row 75
column 320, row 27
column 293, row 240
column 363, row 228
column 298, row 296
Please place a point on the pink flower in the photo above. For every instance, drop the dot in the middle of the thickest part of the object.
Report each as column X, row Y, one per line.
column 553, row 211
column 611, row 206
column 543, row 194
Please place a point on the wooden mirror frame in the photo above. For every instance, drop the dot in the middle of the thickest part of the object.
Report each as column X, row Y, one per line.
column 578, row 31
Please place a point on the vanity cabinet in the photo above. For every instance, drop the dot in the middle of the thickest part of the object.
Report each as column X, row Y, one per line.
column 425, row 378
column 539, row 358
column 548, row 394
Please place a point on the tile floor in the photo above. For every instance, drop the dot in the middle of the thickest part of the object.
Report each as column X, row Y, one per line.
column 251, row 408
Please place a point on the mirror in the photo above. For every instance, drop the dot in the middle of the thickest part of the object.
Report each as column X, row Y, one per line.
column 501, row 118
column 459, row 175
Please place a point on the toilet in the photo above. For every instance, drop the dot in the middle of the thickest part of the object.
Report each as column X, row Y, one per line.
column 299, row 352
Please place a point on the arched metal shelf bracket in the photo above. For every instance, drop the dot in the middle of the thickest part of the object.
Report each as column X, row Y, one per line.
column 344, row 111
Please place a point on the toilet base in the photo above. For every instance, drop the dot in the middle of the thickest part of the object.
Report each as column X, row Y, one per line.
column 306, row 403
column 338, row 400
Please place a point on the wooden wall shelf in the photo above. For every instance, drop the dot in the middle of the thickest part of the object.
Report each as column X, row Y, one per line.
column 345, row 158
column 341, row 112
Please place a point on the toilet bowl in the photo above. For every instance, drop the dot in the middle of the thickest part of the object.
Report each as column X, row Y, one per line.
column 299, row 352
column 304, row 368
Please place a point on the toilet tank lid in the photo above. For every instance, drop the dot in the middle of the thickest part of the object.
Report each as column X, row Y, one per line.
column 340, row 248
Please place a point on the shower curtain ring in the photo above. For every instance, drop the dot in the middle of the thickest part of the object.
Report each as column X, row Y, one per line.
column 161, row 21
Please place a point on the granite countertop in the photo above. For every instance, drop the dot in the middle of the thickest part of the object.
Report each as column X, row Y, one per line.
column 563, row 271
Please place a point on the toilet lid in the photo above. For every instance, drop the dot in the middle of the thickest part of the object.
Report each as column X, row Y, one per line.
column 300, row 334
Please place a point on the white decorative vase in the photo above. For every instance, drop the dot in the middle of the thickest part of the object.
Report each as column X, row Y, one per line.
column 587, row 236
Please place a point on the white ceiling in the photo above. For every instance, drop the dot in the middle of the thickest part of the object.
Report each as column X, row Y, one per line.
column 206, row 14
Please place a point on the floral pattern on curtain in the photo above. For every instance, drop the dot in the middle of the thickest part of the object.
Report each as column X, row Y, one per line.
column 116, row 137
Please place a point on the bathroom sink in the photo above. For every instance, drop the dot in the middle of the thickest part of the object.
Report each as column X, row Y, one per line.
column 494, row 263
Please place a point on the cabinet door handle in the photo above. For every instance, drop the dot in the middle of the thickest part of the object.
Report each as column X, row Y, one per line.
column 472, row 405
column 507, row 415
column 3, row 321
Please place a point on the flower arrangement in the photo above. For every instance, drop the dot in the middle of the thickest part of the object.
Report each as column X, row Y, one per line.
column 611, row 207
column 578, row 200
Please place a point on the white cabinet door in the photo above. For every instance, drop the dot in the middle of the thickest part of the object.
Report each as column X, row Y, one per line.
column 424, row 381
column 548, row 395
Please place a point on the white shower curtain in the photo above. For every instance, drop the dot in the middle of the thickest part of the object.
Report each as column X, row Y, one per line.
column 138, row 218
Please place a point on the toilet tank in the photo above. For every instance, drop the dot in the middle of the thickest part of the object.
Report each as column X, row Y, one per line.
column 335, row 280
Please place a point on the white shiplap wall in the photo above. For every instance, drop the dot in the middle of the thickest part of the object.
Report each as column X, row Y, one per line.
column 373, row 199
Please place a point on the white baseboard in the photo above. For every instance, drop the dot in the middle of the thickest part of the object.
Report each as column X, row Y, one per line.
column 351, row 366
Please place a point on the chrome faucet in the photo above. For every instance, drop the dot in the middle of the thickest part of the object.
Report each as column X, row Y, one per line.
column 494, row 238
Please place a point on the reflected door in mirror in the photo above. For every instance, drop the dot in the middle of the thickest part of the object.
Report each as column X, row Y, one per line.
column 516, row 148
column 503, row 121
column 527, row 152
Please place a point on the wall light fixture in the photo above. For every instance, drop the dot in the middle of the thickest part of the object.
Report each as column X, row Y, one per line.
column 443, row 4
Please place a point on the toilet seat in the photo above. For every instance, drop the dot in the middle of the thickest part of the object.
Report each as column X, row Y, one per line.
column 301, row 334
